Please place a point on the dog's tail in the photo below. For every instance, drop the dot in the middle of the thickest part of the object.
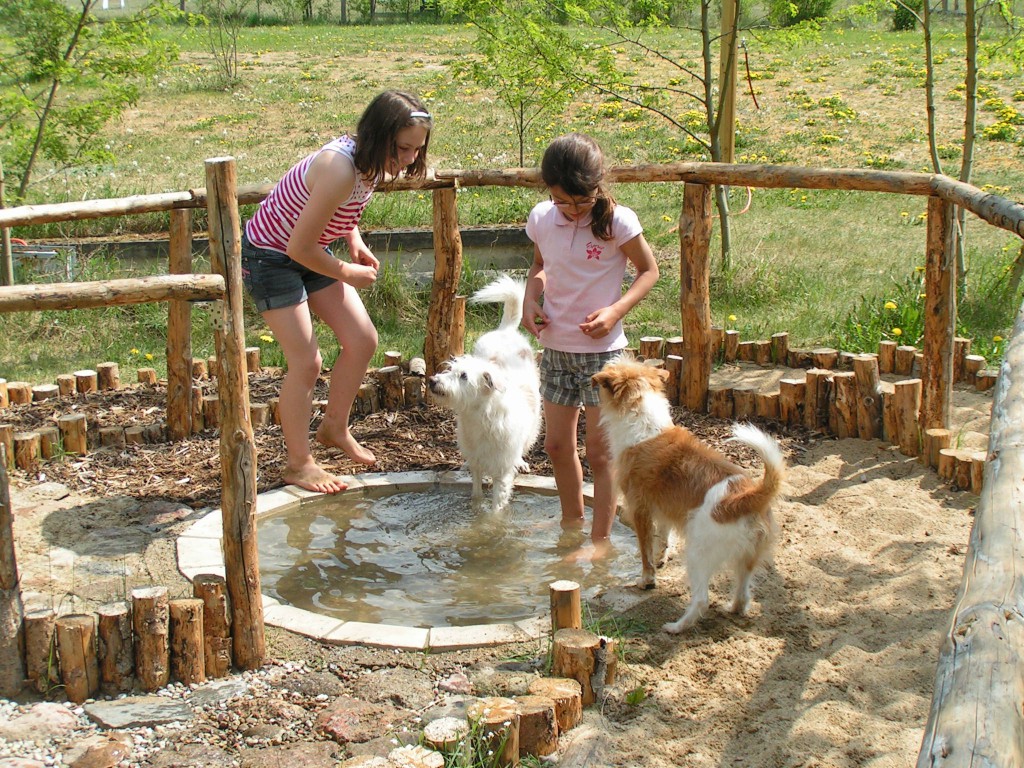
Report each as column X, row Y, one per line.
column 508, row 290
column 774, row 463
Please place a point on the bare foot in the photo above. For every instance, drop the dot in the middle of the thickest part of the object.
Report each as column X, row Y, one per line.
column 312, row 477
column 595, row 551
column 334, row 438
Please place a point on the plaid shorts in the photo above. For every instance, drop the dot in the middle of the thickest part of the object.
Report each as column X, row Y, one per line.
column 565, row 376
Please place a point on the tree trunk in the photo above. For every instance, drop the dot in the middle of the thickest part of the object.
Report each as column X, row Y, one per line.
column 6, row 255
column 972, row 31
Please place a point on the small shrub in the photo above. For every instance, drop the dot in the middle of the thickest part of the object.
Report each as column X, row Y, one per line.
column 649, row 11
column 904, row 15
column 789, row 13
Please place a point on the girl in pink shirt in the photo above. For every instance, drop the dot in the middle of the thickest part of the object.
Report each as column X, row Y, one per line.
column 574, row 306
column 291, row 274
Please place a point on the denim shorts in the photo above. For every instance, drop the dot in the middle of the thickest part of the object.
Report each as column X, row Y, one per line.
column 565, row 376
column 274, row 280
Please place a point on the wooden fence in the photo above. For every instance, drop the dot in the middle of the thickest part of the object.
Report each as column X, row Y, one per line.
column 975, row 713
column 237, row 444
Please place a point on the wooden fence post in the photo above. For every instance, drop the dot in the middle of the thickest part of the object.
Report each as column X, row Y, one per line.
column 12, row 639
column 939, row 317
column 237, row 445
column 695, row 295
column 179, row 332
column 447, row 268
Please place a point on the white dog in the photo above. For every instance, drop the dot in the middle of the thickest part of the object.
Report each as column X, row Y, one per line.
column 495, row 394
column 670, row 479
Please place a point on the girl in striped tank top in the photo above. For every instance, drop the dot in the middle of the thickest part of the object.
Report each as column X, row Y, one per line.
column 290, row 272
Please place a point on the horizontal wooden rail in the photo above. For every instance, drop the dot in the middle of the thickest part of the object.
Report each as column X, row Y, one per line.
column 998, row 211
column 102, row 293
column 729, row 174
column 120, row 206
column 994, row 209
column 975, row 716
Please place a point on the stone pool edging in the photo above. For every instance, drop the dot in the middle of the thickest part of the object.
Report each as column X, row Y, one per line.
column 199, row 551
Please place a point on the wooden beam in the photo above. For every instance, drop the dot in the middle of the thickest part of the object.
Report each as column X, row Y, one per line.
column 939, row 317
column 179, row 333
column 109, row 293
column 447, row 269
column 237, row 445
column 975, row 717
column 998, row 211
column 695, row 295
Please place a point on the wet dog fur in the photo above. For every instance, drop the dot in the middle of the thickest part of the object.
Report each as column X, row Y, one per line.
column 495, row 395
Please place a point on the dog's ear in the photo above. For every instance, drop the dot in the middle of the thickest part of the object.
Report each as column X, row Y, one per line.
column 616, row 385
column 490, row 383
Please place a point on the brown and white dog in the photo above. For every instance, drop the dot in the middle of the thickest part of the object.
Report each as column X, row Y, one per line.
column 671, row 480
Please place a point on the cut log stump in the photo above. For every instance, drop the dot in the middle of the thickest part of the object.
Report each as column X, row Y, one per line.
column 586, row 658
column 498, row 723
column 567, row 695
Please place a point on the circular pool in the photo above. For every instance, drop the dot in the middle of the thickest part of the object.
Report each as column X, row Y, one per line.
column 404, row 560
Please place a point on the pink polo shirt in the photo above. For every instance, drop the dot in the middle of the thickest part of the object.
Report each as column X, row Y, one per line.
column 583, row 273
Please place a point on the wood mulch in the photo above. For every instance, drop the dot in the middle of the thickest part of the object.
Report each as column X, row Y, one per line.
column 417, row 438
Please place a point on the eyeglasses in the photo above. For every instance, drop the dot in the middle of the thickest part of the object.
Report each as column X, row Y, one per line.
column 577, row 204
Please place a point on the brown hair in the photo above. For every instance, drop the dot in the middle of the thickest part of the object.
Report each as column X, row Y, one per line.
column 575, row 163
column 378, row 128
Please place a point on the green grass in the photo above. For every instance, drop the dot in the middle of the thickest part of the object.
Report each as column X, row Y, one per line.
column 818, row 264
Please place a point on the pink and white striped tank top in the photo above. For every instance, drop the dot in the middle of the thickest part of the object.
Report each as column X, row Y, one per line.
column 272, row 224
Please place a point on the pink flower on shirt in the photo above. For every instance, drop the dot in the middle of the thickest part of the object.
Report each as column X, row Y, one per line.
column 594, row 251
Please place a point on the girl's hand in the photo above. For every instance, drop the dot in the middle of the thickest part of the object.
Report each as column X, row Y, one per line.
column 534, row 319
column 600, row 323
column 359, row 275
column 362, row 255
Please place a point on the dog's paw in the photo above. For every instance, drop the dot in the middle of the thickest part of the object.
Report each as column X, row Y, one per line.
column 646, row 582
column 522, row 467
column 677, row 627
column 661, row 559
column 740, row 607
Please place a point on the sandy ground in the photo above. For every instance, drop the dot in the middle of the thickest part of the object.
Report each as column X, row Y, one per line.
column 834, row 667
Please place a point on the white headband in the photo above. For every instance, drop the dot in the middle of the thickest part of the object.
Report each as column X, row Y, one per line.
column 420, row 114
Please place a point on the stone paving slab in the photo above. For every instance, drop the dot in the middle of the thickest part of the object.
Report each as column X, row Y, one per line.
column 379, row 636
column 475, row 636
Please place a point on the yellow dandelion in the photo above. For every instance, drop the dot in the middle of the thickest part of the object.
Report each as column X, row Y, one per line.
column 666, row 218
column 732, row 318
column 890, row 305
column 904, row 214
column 919, row 269
column 135, row 351
column 997, row 338
column 897, row 332
column 265, row 337
column 149, row 355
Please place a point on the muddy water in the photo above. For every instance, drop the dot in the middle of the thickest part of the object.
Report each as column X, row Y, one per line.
column 427, row 559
